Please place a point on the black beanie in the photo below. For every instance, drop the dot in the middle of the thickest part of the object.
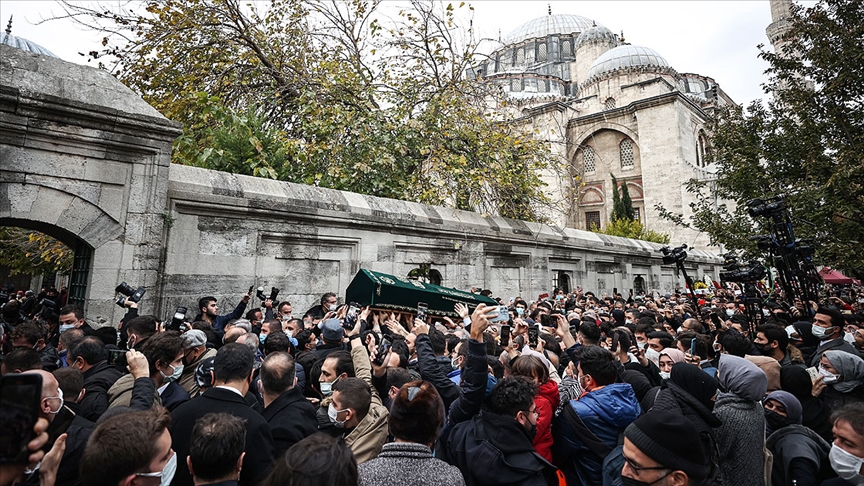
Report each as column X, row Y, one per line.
column 671, row 440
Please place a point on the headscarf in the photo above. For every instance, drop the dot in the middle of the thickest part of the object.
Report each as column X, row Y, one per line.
column 790, row 403
column 850, row 367
column 741, row 378
column 769, row 366
column 696, row 382
column 805, row 332
column 796, row 380
column 675, row 355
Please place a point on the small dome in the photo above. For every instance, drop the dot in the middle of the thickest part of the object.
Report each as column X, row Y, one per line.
column 24, row 45
column 624, row 57
column 549, row 25
column 595, row 33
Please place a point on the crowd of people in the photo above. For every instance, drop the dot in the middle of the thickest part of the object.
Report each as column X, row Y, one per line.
column 573, row 388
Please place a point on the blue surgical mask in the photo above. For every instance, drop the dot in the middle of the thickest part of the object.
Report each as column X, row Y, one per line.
column 178, row 371
column 169, row 470
column 66, row 327
column 262, row 338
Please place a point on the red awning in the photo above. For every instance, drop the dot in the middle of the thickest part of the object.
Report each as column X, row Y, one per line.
column 834, row 277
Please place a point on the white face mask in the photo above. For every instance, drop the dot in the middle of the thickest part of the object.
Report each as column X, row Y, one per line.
column 333, row 307
column 730, row 312
column 665, row 375
column 820, row 332
column 828, row 377
column 846, row 465
column 849, row 337
column 169, row 470
column 652, row 355
column 332, row 413
column 327, row 387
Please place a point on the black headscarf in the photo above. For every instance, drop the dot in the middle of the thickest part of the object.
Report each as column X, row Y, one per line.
column 696, row 382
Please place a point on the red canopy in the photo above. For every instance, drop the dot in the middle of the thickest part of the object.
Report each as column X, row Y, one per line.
column 834, row 277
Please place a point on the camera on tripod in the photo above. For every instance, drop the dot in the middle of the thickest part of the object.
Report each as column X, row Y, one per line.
column 274, row 292
column 674, row 255
column 766, row 207
column 132, row 294
column 764, row 242
column 741, row 274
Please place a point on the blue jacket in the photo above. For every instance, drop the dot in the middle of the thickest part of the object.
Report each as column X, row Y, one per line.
column 606, row 412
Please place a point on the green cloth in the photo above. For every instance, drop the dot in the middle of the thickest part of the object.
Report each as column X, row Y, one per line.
column 382, row 291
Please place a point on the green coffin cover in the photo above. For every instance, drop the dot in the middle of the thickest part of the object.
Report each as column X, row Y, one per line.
column 382, row 291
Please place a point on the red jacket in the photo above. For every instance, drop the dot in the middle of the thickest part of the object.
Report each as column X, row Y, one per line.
column 546, row 400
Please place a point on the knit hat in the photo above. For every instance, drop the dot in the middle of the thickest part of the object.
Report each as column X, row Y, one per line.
column 668, row 439
column 194, row 338
column 331, row 330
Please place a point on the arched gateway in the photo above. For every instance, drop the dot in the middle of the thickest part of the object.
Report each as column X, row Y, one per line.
column 85, row 160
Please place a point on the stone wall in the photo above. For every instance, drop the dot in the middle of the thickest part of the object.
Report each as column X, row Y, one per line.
column 228, row 232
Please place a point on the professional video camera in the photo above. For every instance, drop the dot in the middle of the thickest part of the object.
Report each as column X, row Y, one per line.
column 764, row 242
column 274, row 292
column 766, row 207
column 47, row 308
column 674, row 255
column 178, row 320
column 132, row 294
column 755, row 271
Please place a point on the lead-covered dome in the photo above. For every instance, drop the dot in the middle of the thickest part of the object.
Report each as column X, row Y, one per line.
column 24, row 45
column 548, row 25
column 594, row 34
column 626, row 56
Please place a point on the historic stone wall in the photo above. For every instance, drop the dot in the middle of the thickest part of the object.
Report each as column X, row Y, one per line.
column 228, row 232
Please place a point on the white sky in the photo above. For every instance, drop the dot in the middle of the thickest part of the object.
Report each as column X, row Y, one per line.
column 712, row 38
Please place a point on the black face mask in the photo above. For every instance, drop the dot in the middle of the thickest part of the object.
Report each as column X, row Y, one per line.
column 774, row 421
column 531, row 433
column 634, row 482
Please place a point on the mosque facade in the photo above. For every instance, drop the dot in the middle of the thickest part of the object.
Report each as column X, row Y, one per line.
column 608, row 107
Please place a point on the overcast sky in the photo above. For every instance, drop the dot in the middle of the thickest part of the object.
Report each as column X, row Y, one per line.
column 712, row 38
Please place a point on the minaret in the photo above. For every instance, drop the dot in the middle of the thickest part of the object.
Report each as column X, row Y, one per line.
column 781, row 14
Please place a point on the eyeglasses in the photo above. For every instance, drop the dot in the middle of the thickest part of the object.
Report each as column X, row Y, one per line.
column 638, row 469
column 534, row 412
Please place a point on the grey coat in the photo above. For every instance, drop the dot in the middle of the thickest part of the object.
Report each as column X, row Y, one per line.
column 401, row 463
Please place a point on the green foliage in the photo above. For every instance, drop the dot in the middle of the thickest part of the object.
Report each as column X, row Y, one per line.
column 631, row 228
column 806, row 141
column 335, row 94
column 29, row 253
column 622, row 205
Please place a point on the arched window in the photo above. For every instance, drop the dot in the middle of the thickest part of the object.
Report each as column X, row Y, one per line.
column 425, row 274
column 638, row 285
column 702, row 149
column 626, row 148
column 566, row 48
column 541, row 52
column 588, row 158
column 516, row 85
column 520, row 56
column 609, row 104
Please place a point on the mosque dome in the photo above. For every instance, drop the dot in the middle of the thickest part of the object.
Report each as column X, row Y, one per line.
column 549, row 25
column 595, row 33
column 626, row 56
column 7, row 39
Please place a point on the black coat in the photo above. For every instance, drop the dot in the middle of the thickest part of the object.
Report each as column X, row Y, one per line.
column 76, row 439
column 97, row 381
column 291, row 418
column 431, row 371
column 259, row 440
column 492, row 449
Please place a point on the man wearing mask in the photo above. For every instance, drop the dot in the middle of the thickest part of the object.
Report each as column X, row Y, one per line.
column 32, row 335
column 661, row 446
column 605, row 409
column 847, row 451
column 130, row 449
column 195, row 351
column 72, row 316
column 828, row 329
column 233, row 374
column 164, row 353
column 139, row 329
column 773, row 341
column 329, row 303
column 89, row 356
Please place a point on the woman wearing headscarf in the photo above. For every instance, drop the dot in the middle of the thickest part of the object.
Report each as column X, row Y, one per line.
column 815, row 414
column 741, row 435
column 843, row 375
column 690, row 391
column 668, row 357
column 798, row 451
